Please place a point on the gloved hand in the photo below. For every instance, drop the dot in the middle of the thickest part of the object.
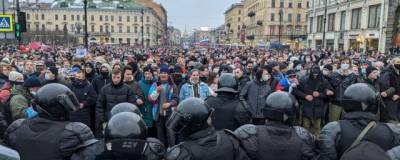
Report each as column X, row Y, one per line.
column 30, row 113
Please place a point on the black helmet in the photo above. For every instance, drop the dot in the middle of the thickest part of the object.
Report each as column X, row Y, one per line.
column 54, row 101
column 359, row 97
column 126, row 125
column 279, row 107
column 125, row 107
column 227, row 83
column 190, row 116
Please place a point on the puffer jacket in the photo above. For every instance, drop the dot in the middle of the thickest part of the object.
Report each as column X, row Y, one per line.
column 19, row 102
column 110, row 96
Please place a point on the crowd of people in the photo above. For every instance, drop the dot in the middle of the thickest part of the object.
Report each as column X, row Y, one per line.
column 121, row 102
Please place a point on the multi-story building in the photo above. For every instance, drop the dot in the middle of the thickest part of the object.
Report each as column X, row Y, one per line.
column 174, row 36
column 204, row 33
column 112, row 22
column 363, row 25
column 234, row 22
column 281, row 21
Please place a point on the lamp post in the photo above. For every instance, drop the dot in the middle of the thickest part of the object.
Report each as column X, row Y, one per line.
column 85, row 40
column 324, row 30
column 142, row 32
column 280, row 24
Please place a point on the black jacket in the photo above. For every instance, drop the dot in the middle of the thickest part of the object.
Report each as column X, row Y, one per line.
column 243, row 81
column 110, row 96
column 99, row 82
column 87, row 96
column 340, row 83
column 229, row 112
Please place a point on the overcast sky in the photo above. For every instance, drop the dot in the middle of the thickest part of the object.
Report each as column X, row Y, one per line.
column 193, row 14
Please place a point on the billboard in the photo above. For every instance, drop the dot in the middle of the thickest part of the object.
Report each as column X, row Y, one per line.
column 6, row 23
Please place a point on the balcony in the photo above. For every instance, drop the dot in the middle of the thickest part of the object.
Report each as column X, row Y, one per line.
column 100, row 34
column 259, row 22
column 251, row 14
column 250, row 37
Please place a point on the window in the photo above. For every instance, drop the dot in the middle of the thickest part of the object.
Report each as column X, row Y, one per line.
column 101, row 29
column 106, row 18
column 272, row 17
column 92, row 18
column 298, row 5
column 42, row 16
column 238, row 27
column 374, row 16
column 28, row 26
column 308, row 4
column 331, row 22
column 28, row 16
column 240, row 12
column 43, row 27
column 107, row 31
column 290, row 4
column 72, row 17
column 311, row 24
column 56, row 17
column 289, row 17
column 57, row 29
column 289, row 29
column 239, row 19
column 128, row 29
column 120, row 29
column 100, row 18
column 128, row 19
column 148, row 30
column 36, row 17
column 135, row 29
column 37, row 27
column 78, row 17
column 320, row 20
column 147, row 19
column 282, row 4
column 298, row 18
column 64, row 17
column 135, row 19
column 272, row 3
column 112, row 29
column 112, row 18
column 356, row 18
column 342, row 20
column 92, row 28
column 120, row 18
column 128, row 40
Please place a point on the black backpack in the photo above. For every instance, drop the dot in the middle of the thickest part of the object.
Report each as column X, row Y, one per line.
column 363, row 149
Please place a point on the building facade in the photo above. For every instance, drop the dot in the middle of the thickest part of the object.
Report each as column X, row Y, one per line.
column 174, row 36
column 124, row 22
column 350, row 25
column 234, row 22
column 281, row 21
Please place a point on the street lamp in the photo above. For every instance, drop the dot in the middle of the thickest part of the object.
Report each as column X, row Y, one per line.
column 324, row 31
column 280, row 24
column 142, row 27
column 85, row 40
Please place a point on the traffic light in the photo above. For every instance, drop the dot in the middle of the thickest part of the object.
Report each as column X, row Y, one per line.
column 22, row 21
column 17, row 30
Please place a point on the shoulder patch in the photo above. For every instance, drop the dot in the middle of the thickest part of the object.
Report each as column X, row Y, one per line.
column 246, row 131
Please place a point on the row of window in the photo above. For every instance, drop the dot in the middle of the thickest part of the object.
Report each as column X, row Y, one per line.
column 290, row 4
column 289, row 17
column 92, row 18
column 373, row 19
column 102, row 29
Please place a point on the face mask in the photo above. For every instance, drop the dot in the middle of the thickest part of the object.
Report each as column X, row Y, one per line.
column 363, row 71
column 325, row 73
column 104, row 74
column 265, row 78
column 344, row 66
column 308, row 59
column 397, row 66
column 216, row 70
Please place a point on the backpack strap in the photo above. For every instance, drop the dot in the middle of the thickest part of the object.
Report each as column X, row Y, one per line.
column 363, row 133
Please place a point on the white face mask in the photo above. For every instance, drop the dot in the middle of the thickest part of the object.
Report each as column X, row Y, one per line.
column 344, row 66
column 265, row 77
column 325, row 72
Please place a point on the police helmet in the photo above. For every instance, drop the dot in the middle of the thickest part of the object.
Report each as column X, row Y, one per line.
column 125, row 107
column 227, row 83
column 359, row 97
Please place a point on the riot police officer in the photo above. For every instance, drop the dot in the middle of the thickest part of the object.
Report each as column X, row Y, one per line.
column 229, row 112
column 361, row 106
column 125, row 138
column 277, row 139
column 200, row 140
column 50, row 135
column 125, row 107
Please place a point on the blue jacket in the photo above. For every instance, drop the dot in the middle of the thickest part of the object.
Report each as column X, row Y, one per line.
column 187, row 91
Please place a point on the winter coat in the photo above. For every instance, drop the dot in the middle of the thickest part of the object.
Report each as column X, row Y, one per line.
column 87, row 96
column 171, row 96
column 99, row 82
column 146, row 109
column 340, row 83
column 19, row 102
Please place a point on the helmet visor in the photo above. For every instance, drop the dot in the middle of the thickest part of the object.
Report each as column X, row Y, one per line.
column 69, row 101
column 177, row 122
